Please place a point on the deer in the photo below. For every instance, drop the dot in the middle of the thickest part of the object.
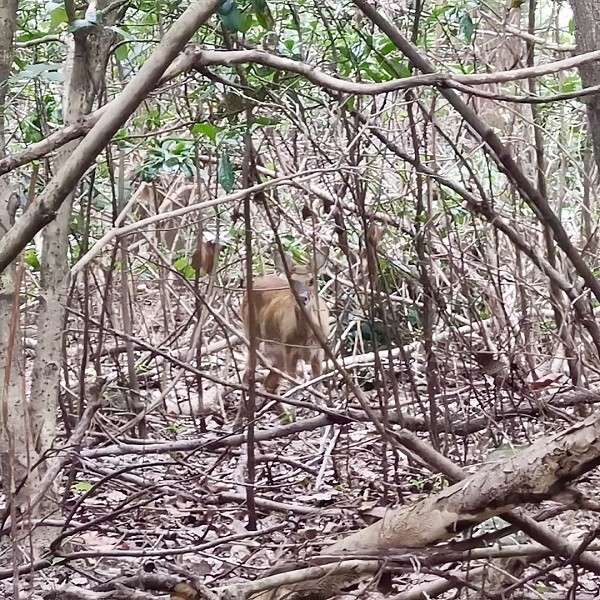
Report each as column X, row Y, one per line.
column 281, row 328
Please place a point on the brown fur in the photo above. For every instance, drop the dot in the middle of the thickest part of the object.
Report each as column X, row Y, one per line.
column 281, row 327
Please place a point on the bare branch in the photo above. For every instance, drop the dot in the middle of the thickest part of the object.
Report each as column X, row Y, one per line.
column 43, row 209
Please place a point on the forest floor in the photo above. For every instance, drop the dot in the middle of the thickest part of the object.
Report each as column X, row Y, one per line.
column 178, row 500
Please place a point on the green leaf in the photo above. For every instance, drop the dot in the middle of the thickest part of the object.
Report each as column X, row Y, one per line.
column 246, row 22
column 541, row 589
column 32, row 259
column 82, row 486
column 263, row 14
column 173, row 428
column 372, row 74
column 438, row 12
column 182, row 265
column 206, row 129
column 21, row 64
column 289, row 44
column 570, row 84
column 288, row 417
column 388, row 47
column 122, row 52
column 266, row 22
column 57, row 17
column 232, row 21
column 466, row 27
column 267, row 121
column 225, row 173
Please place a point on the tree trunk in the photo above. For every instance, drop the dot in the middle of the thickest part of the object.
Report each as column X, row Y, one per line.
column 16, row 453
column 586, row 14
column 84, row 72
column 535, row 474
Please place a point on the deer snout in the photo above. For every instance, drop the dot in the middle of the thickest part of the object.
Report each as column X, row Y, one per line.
column 302, row 291
column 304, row 296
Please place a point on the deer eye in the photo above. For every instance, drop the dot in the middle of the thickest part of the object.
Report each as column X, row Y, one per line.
column 311, row 282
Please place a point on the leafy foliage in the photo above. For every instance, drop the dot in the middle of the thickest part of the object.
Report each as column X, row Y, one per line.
column 169, row 155
column 440, row 282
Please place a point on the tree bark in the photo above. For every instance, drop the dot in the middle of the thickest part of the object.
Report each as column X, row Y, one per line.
column 535, row 474
column 586, row 14
column 86, row 64
column 84, row 70
column 84, row 73
column 15, row 445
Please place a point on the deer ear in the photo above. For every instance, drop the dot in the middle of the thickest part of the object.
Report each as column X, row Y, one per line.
column 375, row 234
column 319, row 259
column 281, row 260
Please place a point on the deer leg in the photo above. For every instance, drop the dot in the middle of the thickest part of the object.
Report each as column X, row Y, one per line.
column 316, row 366
column 276, row 355
column 291, row 358
column 246, row 376
column 316, row 362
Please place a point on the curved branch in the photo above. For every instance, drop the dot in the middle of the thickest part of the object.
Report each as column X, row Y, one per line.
column 41, row 40
column 43, row 209
column 196, row 58
column 496, row 149
column 204, row 58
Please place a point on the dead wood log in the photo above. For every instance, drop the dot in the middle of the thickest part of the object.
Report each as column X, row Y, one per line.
column 537, row 473
column 534, row 474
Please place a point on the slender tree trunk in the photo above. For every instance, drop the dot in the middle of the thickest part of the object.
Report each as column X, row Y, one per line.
column 586, row 14
column 12, row 397
column 27, row 425
column 16, row 453
column 84, row 72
